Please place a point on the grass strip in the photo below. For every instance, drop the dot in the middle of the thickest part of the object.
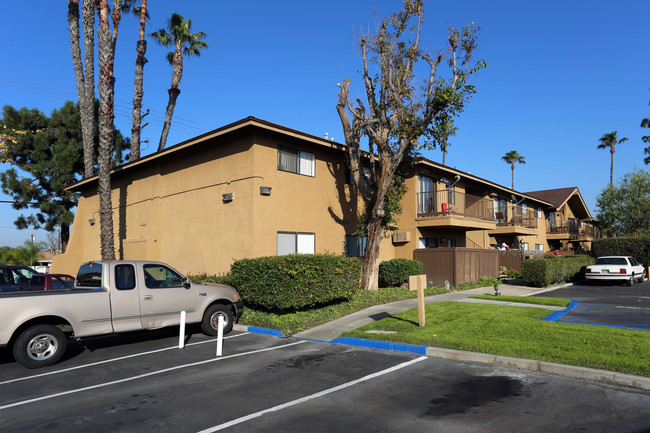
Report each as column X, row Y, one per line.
column 537, row 300
column 516, row 332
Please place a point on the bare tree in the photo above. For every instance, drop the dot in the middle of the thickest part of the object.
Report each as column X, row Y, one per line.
column 399, row 110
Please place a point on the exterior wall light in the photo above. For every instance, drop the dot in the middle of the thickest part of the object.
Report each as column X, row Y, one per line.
column 92, row 221
column 265, row 190
column 228, row 197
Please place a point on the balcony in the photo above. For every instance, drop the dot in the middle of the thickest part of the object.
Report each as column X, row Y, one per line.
column 515, row 220
column 571, row 230
column 451, row 209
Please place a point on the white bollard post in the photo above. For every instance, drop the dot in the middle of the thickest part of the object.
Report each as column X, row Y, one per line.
column 181, row 336
column 220, row 336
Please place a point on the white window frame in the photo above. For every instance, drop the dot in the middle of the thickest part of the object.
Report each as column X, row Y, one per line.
column 303, row 243
column 305, row 163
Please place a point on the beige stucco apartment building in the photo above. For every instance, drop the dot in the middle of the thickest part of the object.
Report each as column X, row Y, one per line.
column 253, row 188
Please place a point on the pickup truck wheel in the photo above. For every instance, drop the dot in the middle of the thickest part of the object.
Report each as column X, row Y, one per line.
column 210, row 322
column 39, row 346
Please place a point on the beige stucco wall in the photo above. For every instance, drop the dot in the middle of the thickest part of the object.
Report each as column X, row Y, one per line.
column 173, row 210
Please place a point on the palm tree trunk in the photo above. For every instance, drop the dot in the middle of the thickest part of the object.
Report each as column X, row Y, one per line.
column 513, row 176
column 140, row 61
column 611, row 168
column 85, row 83
column 174, row 91
column 106, row 94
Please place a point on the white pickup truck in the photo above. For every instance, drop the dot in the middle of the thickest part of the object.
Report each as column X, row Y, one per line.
column 110, row 297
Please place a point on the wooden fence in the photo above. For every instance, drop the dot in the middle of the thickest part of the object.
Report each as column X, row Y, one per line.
column 458, row 265
column 512, row 259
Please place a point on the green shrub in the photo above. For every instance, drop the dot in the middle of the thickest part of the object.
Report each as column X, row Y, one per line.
column 295, row 282
column 395, row 272
column 547, row 271
column 219, row 279
column 637, row 247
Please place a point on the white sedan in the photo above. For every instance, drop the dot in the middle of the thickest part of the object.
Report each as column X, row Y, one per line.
column 616, row 268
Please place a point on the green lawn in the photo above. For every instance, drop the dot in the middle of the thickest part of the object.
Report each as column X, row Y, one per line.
column 555, row 302
column 517, row 332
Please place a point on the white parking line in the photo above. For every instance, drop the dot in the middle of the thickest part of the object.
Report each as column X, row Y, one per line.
column 112, row 360
column 310, row 397
column 153, row 373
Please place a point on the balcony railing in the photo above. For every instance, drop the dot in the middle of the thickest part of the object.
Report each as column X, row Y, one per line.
column 572, row 229
column 516, row 215
column 441, row 203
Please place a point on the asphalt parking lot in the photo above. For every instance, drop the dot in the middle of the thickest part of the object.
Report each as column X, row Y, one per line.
column 263, row 383
column 616, row 305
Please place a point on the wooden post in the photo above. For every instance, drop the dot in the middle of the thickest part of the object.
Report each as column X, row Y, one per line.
column 419, row 282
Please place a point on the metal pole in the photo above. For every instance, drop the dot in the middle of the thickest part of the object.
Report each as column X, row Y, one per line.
column 220, row 336
column 181, row 336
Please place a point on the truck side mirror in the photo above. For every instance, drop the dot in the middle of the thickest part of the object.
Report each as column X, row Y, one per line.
column 187, row 283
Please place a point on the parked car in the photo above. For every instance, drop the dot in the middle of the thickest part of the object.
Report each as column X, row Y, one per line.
column 616, row 268
column 15, row 277
column 110, row 297
column 51, row 282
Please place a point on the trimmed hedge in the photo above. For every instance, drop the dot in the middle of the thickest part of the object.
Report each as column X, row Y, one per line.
column 547, row 271
column 637, row 247
column 395, row 272
column 295, row 282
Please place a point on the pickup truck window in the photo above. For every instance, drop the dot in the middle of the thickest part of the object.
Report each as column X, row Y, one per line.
column 90, row 275
column 161, row 277
column 124, row 277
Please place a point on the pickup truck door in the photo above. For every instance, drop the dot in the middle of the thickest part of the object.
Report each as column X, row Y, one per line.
column 163, row 297
column 125, row 298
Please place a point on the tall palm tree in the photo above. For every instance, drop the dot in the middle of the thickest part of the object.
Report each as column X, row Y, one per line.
column 511, row 158
column 141, row 49
column 610, row 140
column 184, row 42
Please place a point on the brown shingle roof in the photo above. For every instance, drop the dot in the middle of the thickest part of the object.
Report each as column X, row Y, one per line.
column 557, row 196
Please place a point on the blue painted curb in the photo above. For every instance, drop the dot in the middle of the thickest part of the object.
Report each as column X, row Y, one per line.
column 266, row 331
column 556, row 315
column 384, row 345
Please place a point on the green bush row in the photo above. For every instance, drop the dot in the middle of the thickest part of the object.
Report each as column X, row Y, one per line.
column 396, row 272
column 295, row 282
column 637, row 247
column 547, row 271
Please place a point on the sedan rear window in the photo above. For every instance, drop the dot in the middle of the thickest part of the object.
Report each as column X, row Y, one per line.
column 611, row 261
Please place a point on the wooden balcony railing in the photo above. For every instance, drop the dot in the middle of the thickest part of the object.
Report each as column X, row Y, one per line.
column 573, row 230
column 440, row 203
column 515, row 215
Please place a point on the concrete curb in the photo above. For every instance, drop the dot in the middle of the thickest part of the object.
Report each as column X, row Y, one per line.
column 611, row 377
column 592, row 374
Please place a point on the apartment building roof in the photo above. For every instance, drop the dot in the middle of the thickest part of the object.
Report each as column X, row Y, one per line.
column 560, row 196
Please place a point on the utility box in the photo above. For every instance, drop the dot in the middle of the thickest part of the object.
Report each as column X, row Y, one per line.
column 401, row 237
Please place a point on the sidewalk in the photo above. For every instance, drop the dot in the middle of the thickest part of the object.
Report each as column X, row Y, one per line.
column 331, row 330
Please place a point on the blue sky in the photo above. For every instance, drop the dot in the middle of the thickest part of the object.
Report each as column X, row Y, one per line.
column 559, row 75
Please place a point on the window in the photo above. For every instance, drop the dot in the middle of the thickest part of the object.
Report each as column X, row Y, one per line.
column 296, row 243
column 451, row 243
column 428, row 243
column 124, row 277
column 161, row 277
column 500, row 209
column 539, row 247
column 452, row 194
column 539, row 212
column 90, row 275
column 426, row 195
column 355, row 246
column 349, row 179
column 296, row 161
